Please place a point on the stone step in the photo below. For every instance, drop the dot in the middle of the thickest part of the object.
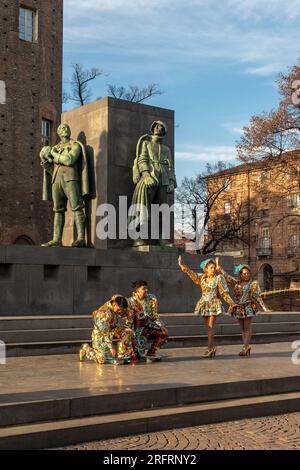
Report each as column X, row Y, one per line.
column 85, row 321
column 74, row 334
column 32, row 407
column 59, row 433
column 71, row 347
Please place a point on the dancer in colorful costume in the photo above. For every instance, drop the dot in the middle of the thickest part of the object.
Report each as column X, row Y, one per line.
column 249, row 301
column 145, row 321
column 109, row 325
column 214, row 289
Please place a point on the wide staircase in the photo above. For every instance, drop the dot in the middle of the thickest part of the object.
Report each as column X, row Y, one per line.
column 44, row 335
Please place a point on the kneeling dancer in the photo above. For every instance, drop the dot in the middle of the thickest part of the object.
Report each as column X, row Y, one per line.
column 146, row 322
column 109, row 325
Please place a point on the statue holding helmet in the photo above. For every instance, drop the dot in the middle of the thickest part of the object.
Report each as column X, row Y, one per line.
column 154, row 177
column 66, row 179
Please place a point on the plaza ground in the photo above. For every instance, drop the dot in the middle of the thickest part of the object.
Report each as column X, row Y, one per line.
column 271, row 433
column 56, row 401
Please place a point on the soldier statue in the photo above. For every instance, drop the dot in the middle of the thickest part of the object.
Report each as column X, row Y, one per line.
column 154, row 177
column 66, row 179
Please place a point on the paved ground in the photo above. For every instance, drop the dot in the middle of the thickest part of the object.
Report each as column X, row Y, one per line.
column 275, row 433
column 63, row 375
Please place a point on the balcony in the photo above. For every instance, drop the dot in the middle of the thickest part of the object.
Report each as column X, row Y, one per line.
column 293, row 250
column 264, row 247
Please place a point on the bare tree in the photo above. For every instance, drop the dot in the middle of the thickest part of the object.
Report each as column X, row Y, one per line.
column 202, row 196
column 271, row 134
column 134, row 93
column 81, row 91
column 232, row 229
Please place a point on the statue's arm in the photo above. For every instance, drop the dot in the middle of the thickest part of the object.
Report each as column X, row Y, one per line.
column 68, row 159
column 143, row 159
column 48, row 167
column 144, row 166
column 47, row 160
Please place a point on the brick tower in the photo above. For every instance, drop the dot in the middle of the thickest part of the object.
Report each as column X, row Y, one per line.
column 30, row 110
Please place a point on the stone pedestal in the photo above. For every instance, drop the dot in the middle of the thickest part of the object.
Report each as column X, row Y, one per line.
column 110, row 129
column 70, row 281
column 156, row 249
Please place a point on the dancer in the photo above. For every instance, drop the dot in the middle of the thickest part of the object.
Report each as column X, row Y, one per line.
column 214, row 288
column 109, row 325
column 250, row 302
column 145, row 321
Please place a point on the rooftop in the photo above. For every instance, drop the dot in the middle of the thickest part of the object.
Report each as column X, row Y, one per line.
column 262, row 164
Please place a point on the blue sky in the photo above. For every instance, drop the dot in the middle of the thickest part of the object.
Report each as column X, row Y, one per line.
column 216, row 61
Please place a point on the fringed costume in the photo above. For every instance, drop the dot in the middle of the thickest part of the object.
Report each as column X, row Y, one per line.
column 213, row 291
column 109, row 327
column 147, row 325
column 248, row 295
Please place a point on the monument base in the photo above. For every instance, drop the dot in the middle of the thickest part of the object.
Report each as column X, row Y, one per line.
column 156, row 249
column 38, row 281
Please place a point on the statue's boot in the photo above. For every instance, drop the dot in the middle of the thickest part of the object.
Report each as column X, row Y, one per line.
column 80, row 221
column 59, row 223
column 165, row 243
column 138, row 243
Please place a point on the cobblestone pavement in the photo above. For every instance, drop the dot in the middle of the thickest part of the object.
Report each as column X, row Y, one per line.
column 272, row 433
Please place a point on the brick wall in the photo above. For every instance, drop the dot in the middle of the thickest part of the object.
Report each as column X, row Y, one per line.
column 32, row 73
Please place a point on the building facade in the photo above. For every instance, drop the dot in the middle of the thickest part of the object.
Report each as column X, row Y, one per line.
column 267, row 199
column 30, row 111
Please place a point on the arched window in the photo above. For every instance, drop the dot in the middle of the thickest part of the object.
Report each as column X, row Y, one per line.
column 266, row 277
column 24, row 240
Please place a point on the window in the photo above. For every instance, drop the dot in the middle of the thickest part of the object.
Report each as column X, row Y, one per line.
column 265, row 176
column 294, row 200
column 294, row 241
column 227, row 184
column 27, row 25
column 46, row 132
column 2, row 92
column 227, row 208
column 265, row 232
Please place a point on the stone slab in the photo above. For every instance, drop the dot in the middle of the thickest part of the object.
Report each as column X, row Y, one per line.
column 41, row 281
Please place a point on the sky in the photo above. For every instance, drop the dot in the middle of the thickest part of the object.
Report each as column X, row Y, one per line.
column 216, row 61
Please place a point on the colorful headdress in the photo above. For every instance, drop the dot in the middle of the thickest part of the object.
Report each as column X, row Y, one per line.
column 206, row 262
column 240, row 267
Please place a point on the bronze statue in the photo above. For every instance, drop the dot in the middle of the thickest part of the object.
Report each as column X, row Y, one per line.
column 66, row 179
column 153, row 175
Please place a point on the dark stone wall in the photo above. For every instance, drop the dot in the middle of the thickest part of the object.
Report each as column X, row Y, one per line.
column 66, row 281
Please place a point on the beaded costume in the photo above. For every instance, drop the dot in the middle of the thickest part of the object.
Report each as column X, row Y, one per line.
column 213, row 291
column 248, row 296
column 109, row 326
column 147, row 325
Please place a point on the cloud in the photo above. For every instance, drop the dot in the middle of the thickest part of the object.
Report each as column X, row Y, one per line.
column 207, row 154
column 253, row 33
column 233, row 128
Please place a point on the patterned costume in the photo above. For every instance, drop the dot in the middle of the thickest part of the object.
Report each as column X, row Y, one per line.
column 213, row 291
column 109, row 326
column 248, row 296
column 147, row 325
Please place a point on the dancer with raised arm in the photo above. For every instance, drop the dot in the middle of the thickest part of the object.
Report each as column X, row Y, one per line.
column 249, row 301
column 214, row 289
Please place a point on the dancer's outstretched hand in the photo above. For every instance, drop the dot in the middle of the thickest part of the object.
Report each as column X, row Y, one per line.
column 180, row 261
